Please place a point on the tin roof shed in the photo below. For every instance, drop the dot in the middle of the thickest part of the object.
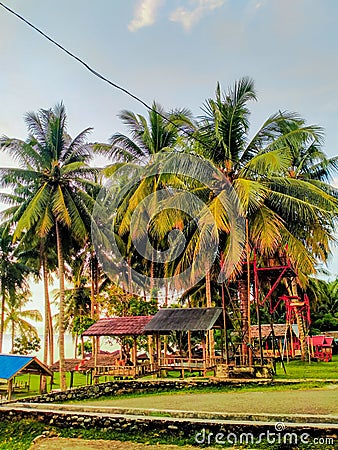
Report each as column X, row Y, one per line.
column 11, row 365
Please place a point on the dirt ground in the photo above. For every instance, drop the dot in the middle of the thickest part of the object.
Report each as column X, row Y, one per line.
column 79, row 444
column 314, row 401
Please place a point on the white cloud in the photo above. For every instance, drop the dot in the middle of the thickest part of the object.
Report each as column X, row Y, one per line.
column 189, row 17
column 145, row 14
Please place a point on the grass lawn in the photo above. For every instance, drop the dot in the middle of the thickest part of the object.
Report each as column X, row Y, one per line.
column 34, row 382
column 294, row 370
column 299, row 369
column 19, row 436
column 309, row 397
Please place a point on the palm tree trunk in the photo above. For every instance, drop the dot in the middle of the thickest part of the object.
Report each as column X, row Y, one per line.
column 46, row 292
column 51, row 336
column 12, row 335
column 2, row 320
column 75, row 345
column 225, row 325
column 208, row 289
column 48, row 329
column 94, row 288
column 92, row 296
column 130, row 281
column 83, row 348
column 63, row 383
column 211, row 341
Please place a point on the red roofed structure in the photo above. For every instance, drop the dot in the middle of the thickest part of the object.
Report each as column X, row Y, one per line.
column 320, row 347
column 127, row 365
column 119, row 326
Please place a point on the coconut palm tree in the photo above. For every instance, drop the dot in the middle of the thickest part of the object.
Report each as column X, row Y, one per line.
column 78, row 298
column 149, row 138
column 14, row 274
column 17, row 318
column 55, row 169
column 278, row 208
column 38, row 254
column 162, row 131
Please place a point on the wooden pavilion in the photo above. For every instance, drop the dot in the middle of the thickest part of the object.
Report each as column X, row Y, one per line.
column 190, row 320
column 278, row 341
column 13, row 365
column 126, row 365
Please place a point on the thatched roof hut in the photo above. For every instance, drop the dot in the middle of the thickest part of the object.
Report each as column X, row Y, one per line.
column 119, row 326
column 279, row 329
column 184, row 319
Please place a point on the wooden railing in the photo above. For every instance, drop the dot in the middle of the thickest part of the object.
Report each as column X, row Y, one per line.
column 126, row 371
column 168, row 362
column 178, row 362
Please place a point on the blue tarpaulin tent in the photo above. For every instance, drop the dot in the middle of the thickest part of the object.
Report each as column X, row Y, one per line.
column 12, row 365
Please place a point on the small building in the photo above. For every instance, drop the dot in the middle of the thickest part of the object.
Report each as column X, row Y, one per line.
column 127, row 365
column 320, row 347
column 334, row 335
column 190, row 320
column 13, row 365
column 286, row 341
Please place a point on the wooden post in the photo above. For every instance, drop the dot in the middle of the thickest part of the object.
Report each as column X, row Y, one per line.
column 134, row 351
column 189, row 346
column 165, row 347
column 95, row 351
column 204, row 354
column 95, row 359
column 207, row 348
column 287, row 349
column 150, row 349
column 291, row 342
column 158, row 348
column 71, row 379
column 10, row 387
column 312, row 348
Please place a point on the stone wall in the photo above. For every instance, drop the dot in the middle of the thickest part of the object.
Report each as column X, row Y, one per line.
column 121, row 387
column 200, row 431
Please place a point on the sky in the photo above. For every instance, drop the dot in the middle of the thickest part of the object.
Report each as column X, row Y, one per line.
column 171, row 51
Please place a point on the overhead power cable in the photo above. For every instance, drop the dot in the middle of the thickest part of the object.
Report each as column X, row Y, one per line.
column 115, row 85
column 87, row 66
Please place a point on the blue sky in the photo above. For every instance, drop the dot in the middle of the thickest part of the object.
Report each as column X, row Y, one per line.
column 173, row 51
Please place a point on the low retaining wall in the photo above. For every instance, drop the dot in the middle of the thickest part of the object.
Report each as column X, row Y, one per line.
column 112, row 388
column 198, row 431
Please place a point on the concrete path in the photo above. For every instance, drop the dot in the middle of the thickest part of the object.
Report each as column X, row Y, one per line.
column 180, row 414
column 310, row 422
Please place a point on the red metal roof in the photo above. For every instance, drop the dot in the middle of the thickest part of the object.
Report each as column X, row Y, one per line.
column 322, row 341
column 118, row 326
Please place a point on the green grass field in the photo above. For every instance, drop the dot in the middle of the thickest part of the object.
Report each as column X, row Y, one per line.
column 299, row 369
column 294, row 370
